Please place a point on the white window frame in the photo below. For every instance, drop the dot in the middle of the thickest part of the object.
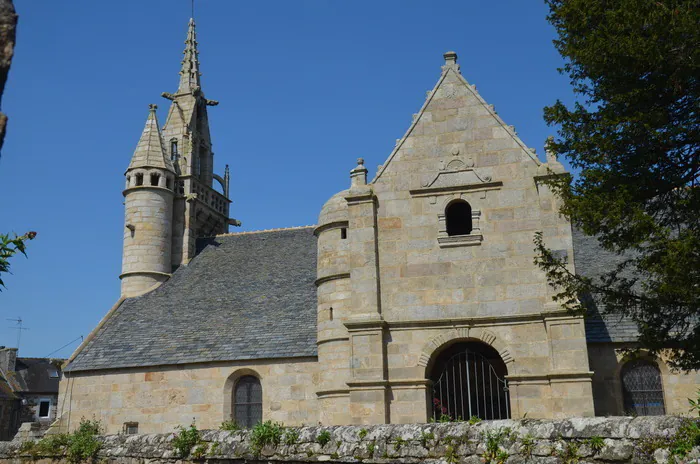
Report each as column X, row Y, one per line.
column 38, row 408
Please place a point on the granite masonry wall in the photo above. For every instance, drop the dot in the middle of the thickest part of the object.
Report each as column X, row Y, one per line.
column 523, row 441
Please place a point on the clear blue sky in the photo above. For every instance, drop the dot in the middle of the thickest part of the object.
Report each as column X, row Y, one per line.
column 305, row 88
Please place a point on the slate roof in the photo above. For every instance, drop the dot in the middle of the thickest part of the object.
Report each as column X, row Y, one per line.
column 591, row 260
column 244, row 296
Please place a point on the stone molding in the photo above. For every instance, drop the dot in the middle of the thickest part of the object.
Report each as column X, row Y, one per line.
column 328, row 278
column 135, row 273
column 330, row 225
column 153, row 188
column 464, row 333
column 332, row 339
column 477, row 321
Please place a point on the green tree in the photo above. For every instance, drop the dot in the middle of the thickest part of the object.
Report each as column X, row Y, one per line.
column 633, row 133
column 9, row 246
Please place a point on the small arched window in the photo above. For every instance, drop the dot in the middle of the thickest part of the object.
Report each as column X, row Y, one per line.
column 139, row 179
column 173, row 150
column 247, row 401
column 641, row 388
column 458, row 216
column 155, row 178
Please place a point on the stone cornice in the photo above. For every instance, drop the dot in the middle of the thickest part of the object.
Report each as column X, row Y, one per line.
column 362, row 325
column 332, row 339
column 147, row 187
column 427, row 191
column 479, row 320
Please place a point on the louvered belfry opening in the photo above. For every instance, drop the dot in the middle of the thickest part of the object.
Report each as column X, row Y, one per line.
column 458, row 216
column 469, row 381
column 642, row 390
column 247, row 401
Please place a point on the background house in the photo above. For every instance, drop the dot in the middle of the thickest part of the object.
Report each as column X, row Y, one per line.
column 28, row 391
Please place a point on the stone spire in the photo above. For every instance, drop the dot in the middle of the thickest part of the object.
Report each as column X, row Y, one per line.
column 189, row 74
column 149, row 152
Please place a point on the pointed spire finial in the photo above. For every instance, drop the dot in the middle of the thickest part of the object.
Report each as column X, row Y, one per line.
column 189, row 73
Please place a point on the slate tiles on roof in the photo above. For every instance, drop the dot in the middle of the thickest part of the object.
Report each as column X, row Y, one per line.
column 592, row 260
column 245, row 296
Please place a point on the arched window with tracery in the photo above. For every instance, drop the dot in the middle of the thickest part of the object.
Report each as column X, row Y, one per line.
column 458, row 216
column 642, row 390
column 247, row 401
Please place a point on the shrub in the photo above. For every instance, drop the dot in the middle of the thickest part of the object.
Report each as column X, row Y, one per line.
column 185, row 439
column 678, row 444
column 265, row 434
column 695, row 404
column 596, row 444
column 527, row 445
column 291, row 437
column 83, row 443
column 425, row 437
column 474, row 420
column 229, row 426
column 323, row 438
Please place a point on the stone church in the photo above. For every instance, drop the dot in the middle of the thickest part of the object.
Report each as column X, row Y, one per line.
column 414, row 298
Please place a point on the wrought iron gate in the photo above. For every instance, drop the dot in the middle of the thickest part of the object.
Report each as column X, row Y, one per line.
column 469, row 385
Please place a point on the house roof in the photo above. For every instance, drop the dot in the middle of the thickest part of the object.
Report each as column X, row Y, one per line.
column 33, row 375
column 591, row 260
column 244, row 296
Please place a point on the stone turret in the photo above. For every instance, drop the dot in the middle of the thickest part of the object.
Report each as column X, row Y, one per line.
column 148, row 204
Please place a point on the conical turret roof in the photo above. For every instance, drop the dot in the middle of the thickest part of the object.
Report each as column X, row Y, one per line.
column 150, row 152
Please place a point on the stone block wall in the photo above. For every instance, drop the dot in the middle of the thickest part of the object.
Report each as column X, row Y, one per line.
column 568, row 441
column 159, row 398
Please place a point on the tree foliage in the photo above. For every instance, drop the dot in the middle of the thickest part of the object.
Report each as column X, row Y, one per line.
column 634, row 134
column 9, row 246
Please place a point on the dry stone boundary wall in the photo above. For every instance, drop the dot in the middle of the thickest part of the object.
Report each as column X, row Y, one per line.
column 449, row 443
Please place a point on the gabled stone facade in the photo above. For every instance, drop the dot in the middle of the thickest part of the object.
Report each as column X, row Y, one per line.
column 415, row 297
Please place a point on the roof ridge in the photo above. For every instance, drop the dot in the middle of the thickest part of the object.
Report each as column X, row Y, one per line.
column 248, row 232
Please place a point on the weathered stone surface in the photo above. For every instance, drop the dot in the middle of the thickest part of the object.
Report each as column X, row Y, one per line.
column 410, row 443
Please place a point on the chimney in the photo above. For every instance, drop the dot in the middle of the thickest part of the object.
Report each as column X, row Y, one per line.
column 8, row 357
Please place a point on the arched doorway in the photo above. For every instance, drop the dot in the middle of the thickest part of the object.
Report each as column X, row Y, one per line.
column 469, row 380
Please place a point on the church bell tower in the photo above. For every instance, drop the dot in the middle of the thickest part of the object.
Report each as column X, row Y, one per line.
column 170, row 197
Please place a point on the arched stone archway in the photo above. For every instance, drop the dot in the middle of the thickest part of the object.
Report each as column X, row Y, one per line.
column 468, row 379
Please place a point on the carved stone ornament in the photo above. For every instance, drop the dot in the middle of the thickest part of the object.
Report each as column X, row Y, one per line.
column 456, row 174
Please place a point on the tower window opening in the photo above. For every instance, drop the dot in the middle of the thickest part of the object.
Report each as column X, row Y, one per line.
column 128, row 181
column 169, row 183
column 458, row 215
column 139, row 179
column 155, row 178
column 344, row 233
column 173, row 150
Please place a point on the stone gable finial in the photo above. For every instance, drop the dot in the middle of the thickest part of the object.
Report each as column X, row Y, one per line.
column 152, row 106
column 450, row 61
column 358, row 176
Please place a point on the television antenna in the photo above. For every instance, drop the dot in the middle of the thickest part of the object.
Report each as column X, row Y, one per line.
column 18, row 328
